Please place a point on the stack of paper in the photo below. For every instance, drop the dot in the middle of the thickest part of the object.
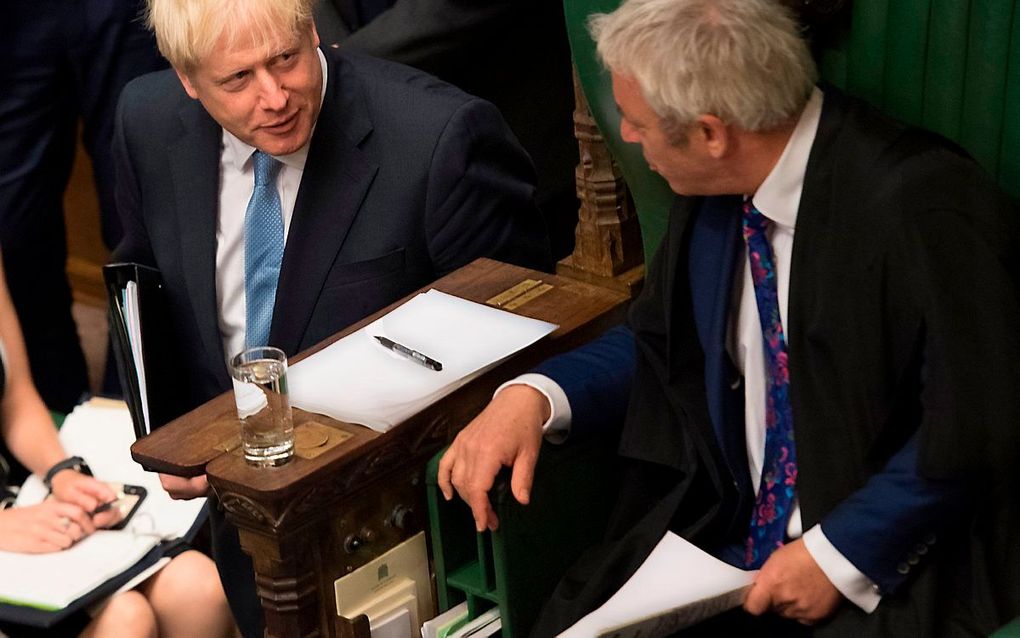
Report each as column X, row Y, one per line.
column 442, row 625
column 488, row 623
column 102, row 435
column 677, row 586
column 359, row 381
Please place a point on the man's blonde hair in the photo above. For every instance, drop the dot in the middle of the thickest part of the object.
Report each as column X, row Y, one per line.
column 744, row 61
column 187, row 31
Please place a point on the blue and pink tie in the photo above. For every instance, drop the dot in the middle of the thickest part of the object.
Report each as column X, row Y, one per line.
column 779, row 468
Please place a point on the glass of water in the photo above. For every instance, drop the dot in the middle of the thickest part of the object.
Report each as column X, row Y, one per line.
column 260, row 391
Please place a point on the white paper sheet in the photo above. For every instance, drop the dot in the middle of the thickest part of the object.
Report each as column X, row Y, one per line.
column 359, row 381
column 103, row 437
column 677, row 586
column 133, row 325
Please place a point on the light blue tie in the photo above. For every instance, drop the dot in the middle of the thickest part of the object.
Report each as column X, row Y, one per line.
column 263, row 250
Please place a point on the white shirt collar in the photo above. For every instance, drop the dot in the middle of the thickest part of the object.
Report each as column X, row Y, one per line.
column 778, row 197
column 237, row 153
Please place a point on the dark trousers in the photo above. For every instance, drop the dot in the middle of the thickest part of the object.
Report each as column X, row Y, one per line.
column 236, row 573
column 60, row 62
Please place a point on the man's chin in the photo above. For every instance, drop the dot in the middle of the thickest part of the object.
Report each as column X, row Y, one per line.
column 274, row 145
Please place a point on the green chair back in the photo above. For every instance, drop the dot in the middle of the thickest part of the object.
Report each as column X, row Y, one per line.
column 951, row 66
column 652, row 197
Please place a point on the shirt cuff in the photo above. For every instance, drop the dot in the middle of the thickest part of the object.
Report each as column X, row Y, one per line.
column 855, row 586
column 557, row 426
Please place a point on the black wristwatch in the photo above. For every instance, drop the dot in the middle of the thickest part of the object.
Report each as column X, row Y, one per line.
column 75, row 463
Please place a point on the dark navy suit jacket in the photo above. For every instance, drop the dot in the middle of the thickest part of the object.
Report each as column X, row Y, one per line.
column 407, row 178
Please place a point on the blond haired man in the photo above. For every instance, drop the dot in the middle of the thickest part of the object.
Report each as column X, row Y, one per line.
column 285, row 192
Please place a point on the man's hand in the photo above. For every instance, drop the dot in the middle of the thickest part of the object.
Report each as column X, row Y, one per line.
column 184, row 489
column 792, row 585
column 507, row 432
column 49, row 526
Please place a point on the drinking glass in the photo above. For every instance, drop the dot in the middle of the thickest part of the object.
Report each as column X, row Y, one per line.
column 260, row 392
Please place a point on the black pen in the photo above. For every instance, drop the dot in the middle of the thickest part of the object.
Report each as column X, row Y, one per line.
column 103, row 507
column 413, row 355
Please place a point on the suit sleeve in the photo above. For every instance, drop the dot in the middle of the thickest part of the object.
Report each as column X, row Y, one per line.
column 955, row 268
column 889, row 526
column 480, row 200
column 596, row 379
column 417, row 32
column 134, row 244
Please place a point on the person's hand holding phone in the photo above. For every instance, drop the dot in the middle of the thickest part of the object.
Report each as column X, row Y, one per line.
column 83, row 490
column 88, row 494
column 128, row 499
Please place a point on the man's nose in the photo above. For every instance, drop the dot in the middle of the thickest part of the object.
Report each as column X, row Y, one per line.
column 272, row 95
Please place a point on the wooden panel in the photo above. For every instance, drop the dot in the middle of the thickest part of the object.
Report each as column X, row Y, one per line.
column 86, row 253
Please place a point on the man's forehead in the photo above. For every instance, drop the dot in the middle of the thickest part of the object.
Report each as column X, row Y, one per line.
column 244, row 46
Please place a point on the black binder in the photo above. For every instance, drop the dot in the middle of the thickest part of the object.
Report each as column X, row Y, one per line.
column 157, row 345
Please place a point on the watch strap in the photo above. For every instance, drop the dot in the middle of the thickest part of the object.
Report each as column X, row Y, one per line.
column 75, row 463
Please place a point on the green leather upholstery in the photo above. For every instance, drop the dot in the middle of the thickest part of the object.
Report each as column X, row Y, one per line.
column 952, row 66
column 1012, row 630
column 652, row 197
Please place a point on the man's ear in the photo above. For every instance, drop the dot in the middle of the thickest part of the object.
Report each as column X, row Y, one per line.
column 716, row 135
column 315, row 37
column 188, row 88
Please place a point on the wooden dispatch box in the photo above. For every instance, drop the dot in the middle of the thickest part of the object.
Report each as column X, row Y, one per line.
column 350, row 493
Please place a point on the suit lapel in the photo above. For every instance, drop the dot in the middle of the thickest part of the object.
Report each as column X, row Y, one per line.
column 815, row 222
column 336, row 179
column 195, row 166
column 714, row 255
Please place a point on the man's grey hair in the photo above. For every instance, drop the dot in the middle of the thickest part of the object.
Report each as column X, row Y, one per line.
column 744, row 61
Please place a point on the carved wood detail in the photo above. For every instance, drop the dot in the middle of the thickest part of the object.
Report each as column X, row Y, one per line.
column 395, row 452
column 287, row 583
column 608, row 238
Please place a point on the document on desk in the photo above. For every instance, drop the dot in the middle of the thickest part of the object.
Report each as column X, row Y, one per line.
column 102, row 434
column 677, row 586
column 358, row 380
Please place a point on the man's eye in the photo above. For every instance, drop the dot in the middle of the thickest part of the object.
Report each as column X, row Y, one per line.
column 285, row 58
column 235, row 81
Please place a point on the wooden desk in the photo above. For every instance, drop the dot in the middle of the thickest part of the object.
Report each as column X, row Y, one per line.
column 315, row 519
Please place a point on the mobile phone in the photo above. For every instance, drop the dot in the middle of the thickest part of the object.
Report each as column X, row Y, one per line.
column 129, row 498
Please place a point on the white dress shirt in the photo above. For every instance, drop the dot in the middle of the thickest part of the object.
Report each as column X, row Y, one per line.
column 237, row 182
column 778, row 198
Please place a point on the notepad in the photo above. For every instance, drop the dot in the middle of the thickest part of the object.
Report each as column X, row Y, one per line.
column 102, row 435
column 677, row 586
column 359, row 381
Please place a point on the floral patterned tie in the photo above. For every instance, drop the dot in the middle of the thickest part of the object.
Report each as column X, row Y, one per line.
column 779, row 468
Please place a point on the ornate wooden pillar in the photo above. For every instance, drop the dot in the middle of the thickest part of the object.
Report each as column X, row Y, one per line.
column 608, row 250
